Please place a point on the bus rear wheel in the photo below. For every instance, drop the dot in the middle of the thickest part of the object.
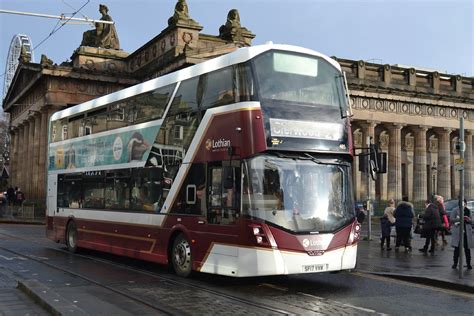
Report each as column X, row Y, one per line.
column 181, row 256
column 71, row 237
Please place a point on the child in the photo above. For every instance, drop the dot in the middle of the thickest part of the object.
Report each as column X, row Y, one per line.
column 386, row 223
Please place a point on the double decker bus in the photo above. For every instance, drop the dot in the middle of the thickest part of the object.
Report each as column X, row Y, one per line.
column 238, row 166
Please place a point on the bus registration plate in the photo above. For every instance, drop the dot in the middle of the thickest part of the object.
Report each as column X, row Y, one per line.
column 314, row 268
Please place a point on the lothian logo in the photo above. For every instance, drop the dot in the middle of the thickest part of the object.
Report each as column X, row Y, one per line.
column 216, row 145
column 305, row 243
column 313, row 243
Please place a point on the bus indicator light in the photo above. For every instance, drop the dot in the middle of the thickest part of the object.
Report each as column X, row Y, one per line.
column 260, row 236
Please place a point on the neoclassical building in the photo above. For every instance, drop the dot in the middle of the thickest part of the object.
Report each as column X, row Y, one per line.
column 412, row 114
column 40, row 89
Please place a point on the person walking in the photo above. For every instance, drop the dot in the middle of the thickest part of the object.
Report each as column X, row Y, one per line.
column 466, row 219
column 432, row 221
column 444, row 223
column 404, row 215
column 11, row 196
column 20, row 197
column 386, row 223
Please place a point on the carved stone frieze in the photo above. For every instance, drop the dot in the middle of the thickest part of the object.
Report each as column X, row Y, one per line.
column 408, row 108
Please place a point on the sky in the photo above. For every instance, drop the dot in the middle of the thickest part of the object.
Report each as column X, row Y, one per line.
column 432, row 34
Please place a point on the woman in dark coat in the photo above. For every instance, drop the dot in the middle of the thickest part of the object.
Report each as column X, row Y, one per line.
column 432, row 221
column 404, row 215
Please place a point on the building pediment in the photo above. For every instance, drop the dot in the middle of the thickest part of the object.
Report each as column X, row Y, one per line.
column 25, row 76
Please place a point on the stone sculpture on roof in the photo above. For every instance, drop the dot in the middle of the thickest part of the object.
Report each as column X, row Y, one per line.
column 181, row 14
column 232, row 30
column 104, row 35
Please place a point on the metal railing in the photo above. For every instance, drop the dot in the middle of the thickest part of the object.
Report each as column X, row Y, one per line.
column 27, row 211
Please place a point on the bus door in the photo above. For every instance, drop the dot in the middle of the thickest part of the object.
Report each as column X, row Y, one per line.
column 52, row 192
column 223, row 214
column 218, row 199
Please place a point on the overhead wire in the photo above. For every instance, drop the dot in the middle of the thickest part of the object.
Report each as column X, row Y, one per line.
column 56, row 28
column 70, row 6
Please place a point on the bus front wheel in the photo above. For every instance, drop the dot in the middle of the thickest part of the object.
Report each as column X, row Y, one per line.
column 181, row 256
column 71, row 237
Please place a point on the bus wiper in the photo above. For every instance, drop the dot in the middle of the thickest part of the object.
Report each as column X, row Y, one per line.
column 308, row 156
column 319, row 162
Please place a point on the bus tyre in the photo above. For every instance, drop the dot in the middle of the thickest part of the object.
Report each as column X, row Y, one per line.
column 181, row 256
column 71, row 237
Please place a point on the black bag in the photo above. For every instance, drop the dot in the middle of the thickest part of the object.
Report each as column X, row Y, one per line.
column 360, row 216
column 417, row 229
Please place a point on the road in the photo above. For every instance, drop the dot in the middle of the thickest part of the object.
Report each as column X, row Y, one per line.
column 97, row 283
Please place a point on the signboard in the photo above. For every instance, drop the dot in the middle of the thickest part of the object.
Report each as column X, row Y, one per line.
column 305, row 129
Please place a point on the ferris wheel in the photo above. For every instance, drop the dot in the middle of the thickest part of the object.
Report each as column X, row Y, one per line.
column 18, row 41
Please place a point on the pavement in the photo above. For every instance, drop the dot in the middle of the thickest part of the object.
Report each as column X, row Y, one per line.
column 18, row 296
column 415, row 266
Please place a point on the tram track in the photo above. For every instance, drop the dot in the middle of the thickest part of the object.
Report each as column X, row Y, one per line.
column 284, row 303
column 163, row 309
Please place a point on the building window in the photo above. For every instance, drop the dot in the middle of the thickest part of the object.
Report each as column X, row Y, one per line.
column 64, row 134
column 178, row 132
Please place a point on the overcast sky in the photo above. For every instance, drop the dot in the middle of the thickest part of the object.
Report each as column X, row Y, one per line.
column 436, row 34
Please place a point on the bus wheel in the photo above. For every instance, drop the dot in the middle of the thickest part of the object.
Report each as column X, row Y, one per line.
column 181, row 256
column 71, row 237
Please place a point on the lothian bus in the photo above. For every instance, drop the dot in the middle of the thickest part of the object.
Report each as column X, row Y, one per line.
column 238, row 166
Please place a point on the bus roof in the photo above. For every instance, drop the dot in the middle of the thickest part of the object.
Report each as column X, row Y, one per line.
column 239, row 56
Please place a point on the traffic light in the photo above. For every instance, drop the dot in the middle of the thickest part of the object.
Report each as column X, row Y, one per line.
column 377, row 161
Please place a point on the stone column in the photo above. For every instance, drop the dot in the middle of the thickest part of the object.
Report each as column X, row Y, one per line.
column 22, row 162
column 36, row 167
column 43, row 154
column 444, row 163
column 395, row 162
column 369, row 130
column 419, row 176
column 13, row 134
column 468, row 166
column 29, row 159
column 17, row 153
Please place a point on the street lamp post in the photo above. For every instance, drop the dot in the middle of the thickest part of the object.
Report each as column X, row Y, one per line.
column 433, row 176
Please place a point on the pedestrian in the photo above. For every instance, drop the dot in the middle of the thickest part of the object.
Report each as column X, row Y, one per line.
column 3, row 202
column 455, row 240
column 431, row 223
column 11, row 196
column 404, row 215
column 444, row 223
column 20, row 197
column 386, row 223
column 360, row 214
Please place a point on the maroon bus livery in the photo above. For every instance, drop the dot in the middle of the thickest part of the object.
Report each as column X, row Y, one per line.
column 239, row 166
